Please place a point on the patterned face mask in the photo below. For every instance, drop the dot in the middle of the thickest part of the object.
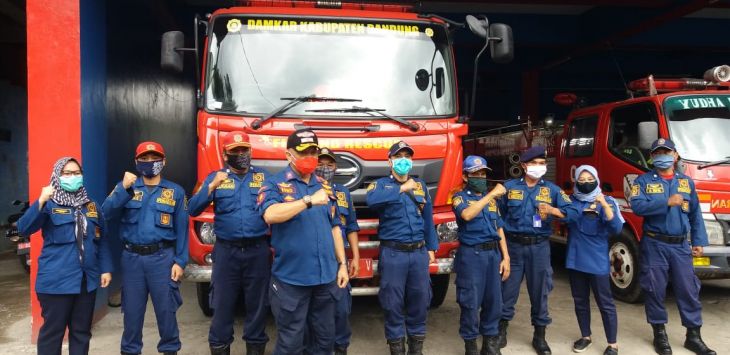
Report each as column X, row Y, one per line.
column 149, row 168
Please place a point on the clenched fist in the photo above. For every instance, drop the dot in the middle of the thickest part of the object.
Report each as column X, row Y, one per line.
column 320, row 198
column 498, row 191
column 218, row 179
column 408, row 186
column 46, row 193
column 675, row 200
column 128, row 180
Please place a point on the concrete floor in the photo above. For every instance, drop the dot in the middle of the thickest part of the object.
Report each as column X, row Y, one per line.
column 367, row 320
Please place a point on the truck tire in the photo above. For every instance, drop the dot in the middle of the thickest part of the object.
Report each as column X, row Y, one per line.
column 203, row 289
column 439, row 285
column 625, row 260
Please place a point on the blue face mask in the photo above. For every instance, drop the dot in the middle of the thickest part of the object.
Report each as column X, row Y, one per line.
column 402, row 166
column 663, row 161
column 149, row 168
column 71, row 183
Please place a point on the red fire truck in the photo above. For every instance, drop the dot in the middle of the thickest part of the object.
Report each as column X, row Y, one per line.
column 363, row 76
column 615, row 137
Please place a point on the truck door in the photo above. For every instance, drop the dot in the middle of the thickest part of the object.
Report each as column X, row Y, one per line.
column 628, row 151
column 578, row 148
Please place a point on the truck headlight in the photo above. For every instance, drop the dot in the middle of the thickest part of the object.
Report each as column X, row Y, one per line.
column 714, row 232
column 447, row 231
column 207, row 233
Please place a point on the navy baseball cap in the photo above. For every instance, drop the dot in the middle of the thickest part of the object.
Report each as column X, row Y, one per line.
column 533, row 153
column 301, row 140
column 662, row 143
column 397, row 147
column 326, row 152
column 474, row 163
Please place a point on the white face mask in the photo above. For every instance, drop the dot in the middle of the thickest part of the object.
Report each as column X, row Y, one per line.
column 536, row 171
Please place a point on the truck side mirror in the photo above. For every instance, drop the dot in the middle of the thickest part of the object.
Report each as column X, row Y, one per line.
column 477, row 26
column 170, row 57
column 502, row 45
column 648, row 133
column 439, row 82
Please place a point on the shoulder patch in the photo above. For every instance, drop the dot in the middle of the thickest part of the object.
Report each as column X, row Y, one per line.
column 418, row 191
column 342, row 199
column 138, row 194
column 492, row 206
column 565, row 196
column 635, row 190
column 457, row 201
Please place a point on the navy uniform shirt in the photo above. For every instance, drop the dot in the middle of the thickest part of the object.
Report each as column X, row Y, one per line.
column 304, row 250
column 150, row 216
column 649, row 196
column 236, row 214
column 483, row 227
column 59, row 269
column 346, row 210
column 519, row 206
column 401, row 218
column 588, row 235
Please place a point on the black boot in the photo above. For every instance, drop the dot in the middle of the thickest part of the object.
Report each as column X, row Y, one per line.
column 503, row 324
column 694, row 343
column 490, row 346
column 661, row 341
column 338, row 350
column 123, row 353
column 471, row 347
column 415, row 344
column 539, row 343
column 397, row 346
column 220, row 350
column 170, row 353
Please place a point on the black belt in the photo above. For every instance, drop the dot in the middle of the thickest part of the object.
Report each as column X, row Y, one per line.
column 242, row 243
column 484, row 246
column 402, row 246
column 669, row 239
column 525, row 239
column 147, row 249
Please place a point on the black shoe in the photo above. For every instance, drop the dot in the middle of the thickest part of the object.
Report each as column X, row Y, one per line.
column 503, row 324
column 471, row 347
column 255, row 348
column 415, row 344
column 581, row 345
column 490, row 345
column 220, row 350
column 693, row 342
column 538, row 342
column 338, row 350
column 661, row 341
column 397, row 346
column 610, row 351
column 123, row 353
column 170, row 353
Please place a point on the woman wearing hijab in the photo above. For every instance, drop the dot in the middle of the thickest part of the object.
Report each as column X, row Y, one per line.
column 74, row 261
column 587, row 256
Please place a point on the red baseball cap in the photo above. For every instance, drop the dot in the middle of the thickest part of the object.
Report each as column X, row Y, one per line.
column 147, row 147
column 235, row 139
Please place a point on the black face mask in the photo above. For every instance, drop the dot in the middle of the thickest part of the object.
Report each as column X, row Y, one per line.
column 586, row 187
column 238, row 161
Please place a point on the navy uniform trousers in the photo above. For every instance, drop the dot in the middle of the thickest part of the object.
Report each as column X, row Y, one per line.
column 61, row 311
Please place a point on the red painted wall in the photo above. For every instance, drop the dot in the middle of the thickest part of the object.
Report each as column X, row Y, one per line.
column 54, row 103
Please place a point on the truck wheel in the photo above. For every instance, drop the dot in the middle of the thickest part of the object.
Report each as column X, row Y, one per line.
column 625, row 267
column 203, row 289
column 439, row 285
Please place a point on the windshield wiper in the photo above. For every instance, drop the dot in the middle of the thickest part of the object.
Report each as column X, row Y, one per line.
column 380, row 111
column 723, row 161
column 294, row 101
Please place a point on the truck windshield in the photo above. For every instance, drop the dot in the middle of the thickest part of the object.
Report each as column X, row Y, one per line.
column 254, row 62
column 699, row 125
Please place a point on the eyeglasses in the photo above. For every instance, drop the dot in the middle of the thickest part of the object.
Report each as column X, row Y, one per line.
column 71, row 173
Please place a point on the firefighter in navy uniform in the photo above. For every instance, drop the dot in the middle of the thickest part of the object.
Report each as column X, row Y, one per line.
column 241, row 252
column 529, row 208
column 309, row 261
column 482, row 260
column 154, row 233
column 668, row 201
column 348, row 220
column 408, row 244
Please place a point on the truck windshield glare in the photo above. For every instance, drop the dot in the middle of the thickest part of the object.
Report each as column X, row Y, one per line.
column 254, row 62
column 699, row 125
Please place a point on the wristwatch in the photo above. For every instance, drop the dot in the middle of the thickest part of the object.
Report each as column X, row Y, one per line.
column 307, row 201
column 343, row 263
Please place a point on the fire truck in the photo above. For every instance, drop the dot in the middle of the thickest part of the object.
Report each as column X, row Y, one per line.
column 363, row 76
column 615, row 137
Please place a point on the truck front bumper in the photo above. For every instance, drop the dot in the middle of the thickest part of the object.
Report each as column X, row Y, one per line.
column 719, row 267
